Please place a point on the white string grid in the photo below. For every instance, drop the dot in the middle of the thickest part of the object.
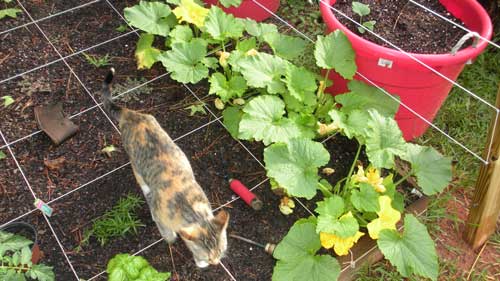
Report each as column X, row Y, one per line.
column 454, row 140
column 62, row 58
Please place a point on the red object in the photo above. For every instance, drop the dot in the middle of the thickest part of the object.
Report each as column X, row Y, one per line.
column 417, row 86
column 250, row 9
column 245, row 194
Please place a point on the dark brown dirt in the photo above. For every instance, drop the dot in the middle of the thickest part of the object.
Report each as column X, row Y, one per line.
column 406, row 25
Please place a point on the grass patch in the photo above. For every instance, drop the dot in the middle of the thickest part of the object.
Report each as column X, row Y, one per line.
column 120, row 221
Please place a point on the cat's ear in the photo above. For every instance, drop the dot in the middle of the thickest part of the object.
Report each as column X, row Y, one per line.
column 221, row 219
column 190, row 233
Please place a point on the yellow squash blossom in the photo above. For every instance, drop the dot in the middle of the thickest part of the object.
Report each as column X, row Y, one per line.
column 387, row 218
column 372, row 177
column 223, row 57
column 191, row 12
column 341, row 246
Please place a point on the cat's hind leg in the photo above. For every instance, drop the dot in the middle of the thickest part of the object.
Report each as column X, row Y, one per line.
column 165, row 232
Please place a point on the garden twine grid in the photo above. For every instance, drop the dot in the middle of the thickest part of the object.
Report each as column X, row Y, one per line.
column 217, row 119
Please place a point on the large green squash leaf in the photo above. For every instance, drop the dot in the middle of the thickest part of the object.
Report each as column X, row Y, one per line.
column 383, row 140
column 145, row 54
column 232, row 118
column 334, row 51
column 330, row 219
column 263, row 71
column 150, row 17
column 363, row 97
column 263, row 121
column 285, row 46
column 412, row 252
column 294, row 165
column 300, row 82
column 227, row 90
column 297, row 260
column 433, row 171
column 366, row 198
column 222, row 26
column 185, row 61
column 259, row 30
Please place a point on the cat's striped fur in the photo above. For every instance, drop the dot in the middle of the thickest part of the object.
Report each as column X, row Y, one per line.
column 177, row 202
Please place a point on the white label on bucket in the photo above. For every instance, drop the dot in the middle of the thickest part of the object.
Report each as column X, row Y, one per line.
column 385, row 63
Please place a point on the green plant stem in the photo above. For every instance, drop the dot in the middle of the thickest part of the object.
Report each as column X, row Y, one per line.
column 322, row 90
column 410, row 173
column 325, row 190
column 351, row 170
column 13, row 267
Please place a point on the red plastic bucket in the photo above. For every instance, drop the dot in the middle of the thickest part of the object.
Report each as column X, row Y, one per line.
column 417, row 86
column 249, row 9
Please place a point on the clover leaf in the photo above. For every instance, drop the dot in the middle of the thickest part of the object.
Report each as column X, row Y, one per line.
column 363, row 96
column 285, row 46
column 383, row 140
column 145, row 54
column 150, row 17
column 294, row 165
column 222, row 26
column 297, row 259
column 263, row 121
column 263, row 71
column 332, row 220
column 334, row 51
column 185, row 61
column 226, row 90
column 433, row 171
column 411, row 252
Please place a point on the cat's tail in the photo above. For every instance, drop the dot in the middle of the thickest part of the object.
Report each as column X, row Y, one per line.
column 111, row 108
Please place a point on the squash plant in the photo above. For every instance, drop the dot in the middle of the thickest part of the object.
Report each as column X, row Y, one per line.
column 266, row 97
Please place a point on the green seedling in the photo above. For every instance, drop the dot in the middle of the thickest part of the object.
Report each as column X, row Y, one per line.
column 197, row 108
column 97, row 61
column 2, row 155
column 363, row 10
column 7, row 100
column 109, row 149
column 120, row 221
column 122, row 28
column 15, row 260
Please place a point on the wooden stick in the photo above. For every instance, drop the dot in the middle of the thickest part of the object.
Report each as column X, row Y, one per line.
column 485, row 205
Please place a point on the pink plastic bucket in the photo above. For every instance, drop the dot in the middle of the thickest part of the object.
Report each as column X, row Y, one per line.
column 417, row 86
column 249, row 9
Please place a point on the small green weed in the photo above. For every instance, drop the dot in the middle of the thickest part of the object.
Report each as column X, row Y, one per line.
column 197, row 108
column 2, row 155
column 7, row 100
column 118, row 222
column 97, row 61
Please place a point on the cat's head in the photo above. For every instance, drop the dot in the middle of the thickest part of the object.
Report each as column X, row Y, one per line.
column 208, row 241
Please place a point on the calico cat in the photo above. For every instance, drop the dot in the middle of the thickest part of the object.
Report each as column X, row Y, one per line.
column 177, row 202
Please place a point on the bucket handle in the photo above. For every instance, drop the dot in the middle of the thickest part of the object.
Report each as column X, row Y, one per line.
column 464, row 39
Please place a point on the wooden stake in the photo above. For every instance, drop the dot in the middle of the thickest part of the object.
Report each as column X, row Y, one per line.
column 485, row 205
